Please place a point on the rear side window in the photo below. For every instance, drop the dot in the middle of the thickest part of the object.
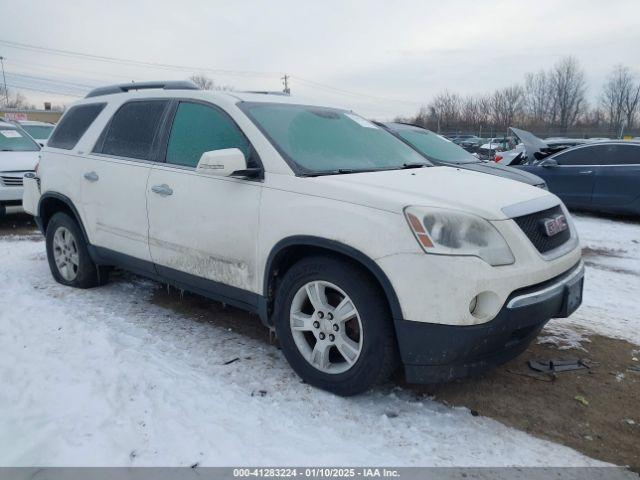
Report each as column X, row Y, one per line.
column 74, row 124
column 197, row 129
column 625, row 155
column 592, row 155
column 132, row 130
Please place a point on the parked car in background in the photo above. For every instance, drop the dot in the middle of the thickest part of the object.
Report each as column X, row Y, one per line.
column 39, row 131
column 441, row 151
column 472, row 145
column 458, row 139
column 509, row 156
column 533, row 148
column 340, row 236
column 18, row 155
column 488, row 150
column 598, row 176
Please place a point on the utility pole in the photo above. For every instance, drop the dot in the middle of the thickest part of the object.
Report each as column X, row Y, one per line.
column 285, row 81
column 4, row 80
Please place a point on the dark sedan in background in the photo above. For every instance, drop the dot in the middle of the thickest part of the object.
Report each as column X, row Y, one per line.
column 441, row 151
column 600, row 176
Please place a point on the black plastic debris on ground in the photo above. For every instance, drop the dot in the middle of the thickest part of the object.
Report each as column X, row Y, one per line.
column 556, row 366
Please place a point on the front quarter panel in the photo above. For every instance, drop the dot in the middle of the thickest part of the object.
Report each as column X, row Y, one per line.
column 373, row 232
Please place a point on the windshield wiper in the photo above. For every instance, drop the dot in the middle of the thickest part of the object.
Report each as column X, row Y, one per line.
column 344, row 171
column 339, row 171
column 413, row 165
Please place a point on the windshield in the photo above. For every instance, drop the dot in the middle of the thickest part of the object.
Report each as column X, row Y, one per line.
column 434, row 147
column 325, row 141
column 41, row 132
column 12, row 140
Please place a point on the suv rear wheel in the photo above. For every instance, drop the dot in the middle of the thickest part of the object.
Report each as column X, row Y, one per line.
column 68, row 256
column 334, row 326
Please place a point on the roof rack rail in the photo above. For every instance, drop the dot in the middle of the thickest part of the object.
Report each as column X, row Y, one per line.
column 266, row 92
column 125, row 87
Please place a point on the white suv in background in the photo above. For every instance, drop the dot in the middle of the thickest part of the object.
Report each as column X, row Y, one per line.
column 351, row 245
column 18, row 155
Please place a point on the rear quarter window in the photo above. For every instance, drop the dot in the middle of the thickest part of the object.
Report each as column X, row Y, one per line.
column 73, row 125
column 132, row 129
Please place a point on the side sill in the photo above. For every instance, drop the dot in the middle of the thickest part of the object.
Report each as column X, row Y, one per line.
column 240, row 298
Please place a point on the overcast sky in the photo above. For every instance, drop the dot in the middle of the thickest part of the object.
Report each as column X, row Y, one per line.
column 381, row 58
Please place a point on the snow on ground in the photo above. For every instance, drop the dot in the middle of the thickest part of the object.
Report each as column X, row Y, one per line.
column 612, row 282
column 104, row 377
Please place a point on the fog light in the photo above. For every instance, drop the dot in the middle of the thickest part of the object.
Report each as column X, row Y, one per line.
column 484, row 305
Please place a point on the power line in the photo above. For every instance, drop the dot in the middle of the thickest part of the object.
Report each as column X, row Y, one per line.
column 57, row 69
column 185, row 68
column 125, row 61
column 66, row 94
column 50, row 80
column 332, row 89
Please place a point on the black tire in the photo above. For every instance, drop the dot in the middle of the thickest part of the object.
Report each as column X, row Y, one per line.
column 88, row 274
column 378, row 356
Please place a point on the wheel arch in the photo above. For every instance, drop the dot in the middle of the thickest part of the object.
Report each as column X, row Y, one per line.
column 51, row 203
column 291, row 249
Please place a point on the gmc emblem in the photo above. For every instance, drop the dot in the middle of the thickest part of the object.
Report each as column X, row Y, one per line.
column 555, row 225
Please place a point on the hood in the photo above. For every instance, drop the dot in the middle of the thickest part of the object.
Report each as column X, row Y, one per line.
column 18, row 161
column 534, row 147
column 445, row 187
column 493, row 168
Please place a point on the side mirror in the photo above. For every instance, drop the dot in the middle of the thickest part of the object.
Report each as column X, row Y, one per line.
column 229, row 162
column 550, row 163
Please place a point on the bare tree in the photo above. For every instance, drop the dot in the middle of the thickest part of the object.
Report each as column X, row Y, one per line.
column 470, row 111
column 568, row 87
column 202, row 81
column 444, row 110
column 507, row 106
column 613, row 96
column 552, row 101
column 538, row 97
column 16, row 100
column 631, row 103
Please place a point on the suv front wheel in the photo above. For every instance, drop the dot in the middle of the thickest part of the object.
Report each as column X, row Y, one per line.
column 68, row 256
column 334, row 326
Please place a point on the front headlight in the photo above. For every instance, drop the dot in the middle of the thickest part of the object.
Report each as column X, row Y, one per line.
column 451, row 232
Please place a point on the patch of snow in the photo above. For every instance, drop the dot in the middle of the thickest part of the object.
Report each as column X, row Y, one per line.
column 612, row 280
column 562, row 336
column 104, row 377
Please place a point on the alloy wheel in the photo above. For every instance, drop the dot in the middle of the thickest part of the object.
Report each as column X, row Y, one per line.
column 326, row 327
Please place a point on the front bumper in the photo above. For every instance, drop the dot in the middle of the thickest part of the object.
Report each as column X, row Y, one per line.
column 10, row 199
column 7, row 208
column 434, row 353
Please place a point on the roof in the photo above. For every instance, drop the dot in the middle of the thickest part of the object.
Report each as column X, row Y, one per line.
column 173, row 89
column 6, row 125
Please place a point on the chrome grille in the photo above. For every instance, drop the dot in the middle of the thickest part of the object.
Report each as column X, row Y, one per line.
column 11, row 179
column 532, row 226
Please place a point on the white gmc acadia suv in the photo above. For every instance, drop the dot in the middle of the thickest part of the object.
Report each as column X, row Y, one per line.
column 351, row 245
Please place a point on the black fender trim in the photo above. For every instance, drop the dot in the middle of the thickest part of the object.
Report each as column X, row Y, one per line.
column 332, row 245
column 67, row 201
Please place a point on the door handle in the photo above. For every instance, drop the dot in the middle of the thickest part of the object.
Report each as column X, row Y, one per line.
column 162, row 190
column 585, row 172
column 91, row 176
